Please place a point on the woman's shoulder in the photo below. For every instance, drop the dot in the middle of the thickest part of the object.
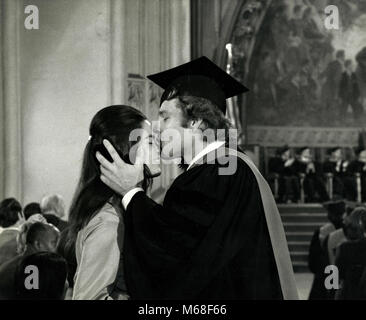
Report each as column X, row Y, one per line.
column 108, row 217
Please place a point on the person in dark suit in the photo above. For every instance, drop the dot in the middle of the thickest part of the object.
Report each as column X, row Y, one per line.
column 288, row 182
column 313, row 183
column 351, row 258
column 51, row 282
column 318, row 257
column 357, row 166
column 337, row 167
column 37, row 237
column 349, row 93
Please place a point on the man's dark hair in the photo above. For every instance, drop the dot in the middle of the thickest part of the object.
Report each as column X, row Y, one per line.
column 9, row 212
column 52, row 273
column 30, row 209
column 299, row 151
column 36, row 231
column 282, row 150
column 332, row 150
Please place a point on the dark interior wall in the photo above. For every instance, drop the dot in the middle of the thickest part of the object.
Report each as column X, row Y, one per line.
column 211, row 25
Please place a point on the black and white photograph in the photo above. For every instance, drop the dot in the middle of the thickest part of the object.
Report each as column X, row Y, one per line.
column 180, row 155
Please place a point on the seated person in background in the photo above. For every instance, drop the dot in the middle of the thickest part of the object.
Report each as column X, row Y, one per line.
column 318, row 254
column 31, row 209
column 288, row 183
column 356, row 166
column 351, row 258
column 10, row 220
column 52, row 284
column 39, row 236
column 314, row 187
column 53, row 209
column 337, row 167
column 33, row 237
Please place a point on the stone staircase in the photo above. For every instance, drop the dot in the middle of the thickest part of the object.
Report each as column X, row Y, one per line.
column 300, row 222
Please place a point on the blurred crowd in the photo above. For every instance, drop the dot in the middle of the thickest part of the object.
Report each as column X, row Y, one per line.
column 340, row 244
column 30, row 236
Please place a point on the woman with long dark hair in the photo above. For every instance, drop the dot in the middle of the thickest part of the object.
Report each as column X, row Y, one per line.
column 96, row 231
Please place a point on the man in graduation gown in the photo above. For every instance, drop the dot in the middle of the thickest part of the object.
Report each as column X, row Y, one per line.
column 313, row 184
column 357, row 166
column 288, row 182
column 336, row 166
column 216, row 236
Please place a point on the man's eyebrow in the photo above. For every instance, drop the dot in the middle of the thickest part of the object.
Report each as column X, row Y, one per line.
column 162, row 113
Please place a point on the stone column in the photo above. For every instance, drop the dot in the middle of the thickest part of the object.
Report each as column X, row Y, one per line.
column 117, row 53
column 10, row 114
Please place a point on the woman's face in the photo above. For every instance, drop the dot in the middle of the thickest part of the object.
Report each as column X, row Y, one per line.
column 148, row 149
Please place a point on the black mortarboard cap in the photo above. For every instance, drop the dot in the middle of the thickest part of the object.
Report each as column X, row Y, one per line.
column 301, row 150
column 331, row 150
column 201, row 78
column 282, row 150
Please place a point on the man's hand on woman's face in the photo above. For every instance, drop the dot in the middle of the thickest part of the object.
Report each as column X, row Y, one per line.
column 118, row 175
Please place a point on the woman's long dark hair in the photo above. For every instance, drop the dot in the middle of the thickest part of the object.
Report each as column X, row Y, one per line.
column 114, row 123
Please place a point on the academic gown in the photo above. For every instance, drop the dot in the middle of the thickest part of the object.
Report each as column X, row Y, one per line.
column 354, row 167
column 351, row 263
column 209, row 240
column 318, row 260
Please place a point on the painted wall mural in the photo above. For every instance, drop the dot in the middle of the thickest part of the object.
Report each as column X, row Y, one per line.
column 306, row 75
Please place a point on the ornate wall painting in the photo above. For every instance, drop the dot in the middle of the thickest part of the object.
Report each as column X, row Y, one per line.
column 298, row 73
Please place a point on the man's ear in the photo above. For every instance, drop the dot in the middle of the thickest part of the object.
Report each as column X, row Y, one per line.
column 195, row 124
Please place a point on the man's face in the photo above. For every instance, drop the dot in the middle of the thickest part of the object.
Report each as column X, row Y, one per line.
column 337, row 155
column 306, row 155
column 172, row 132
column 286, row 155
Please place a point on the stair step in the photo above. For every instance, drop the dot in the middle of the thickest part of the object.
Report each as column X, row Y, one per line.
column 299, row 257
column 304, row 217
column 299, row 236
column 300, row 221
column 302, row 226
column 298, row 245
column 300, row 208
column 300, row 267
